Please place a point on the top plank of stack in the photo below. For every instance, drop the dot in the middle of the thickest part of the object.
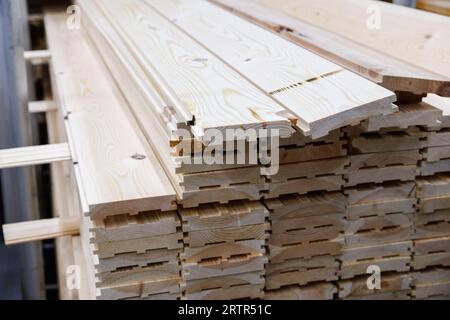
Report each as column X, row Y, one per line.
column 385, row 55
column 212, row 70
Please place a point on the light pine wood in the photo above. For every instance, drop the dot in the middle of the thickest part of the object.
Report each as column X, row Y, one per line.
column 408, row 115
column 216, row 216
column 442, row 104
column 423, row 44
column 436, row 6
column 322, row 95
column 118, row 173
column 35, row 155
column 217, row 96
column 30, row 231
column 37, row 57
column 392, row 73
column 358, row 287
column 41, row 106
column 321, row 291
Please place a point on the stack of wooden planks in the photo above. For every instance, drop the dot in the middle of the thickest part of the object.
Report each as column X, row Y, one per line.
column 396, row 181
column 359, row 181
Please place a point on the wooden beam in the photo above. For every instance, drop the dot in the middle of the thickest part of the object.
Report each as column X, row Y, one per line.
column 35, row 155
column 392, row 73
column 34, row 18
column 24, row 232
column 41, row 106
column 37, row 57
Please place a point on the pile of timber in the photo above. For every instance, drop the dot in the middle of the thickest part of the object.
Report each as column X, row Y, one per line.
column 361, row 181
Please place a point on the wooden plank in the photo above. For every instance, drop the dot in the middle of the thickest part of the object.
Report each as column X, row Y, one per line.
column 139, row 246
column 118, row 172
column 320, row 291
column 298, row 84
column 301, row 272
column 431, row 168
column 378, row 251
column 245, row 292
column 432, row 283
column 380, row 175
column 226, row 235
column 374, row 230
column 381, row 208
column 35, row 155
column 436, row 6
column 431, row 253
column 216, row 96
column 380, row 193
column 237, row 286
column 433, row 186
column 37, row 57
column 41, row 106
column 223, row 251
column 358, row 287
column 381, row 160
column 303, row 186
column 38, row 230
column 307, row 250
column 408, row 115
column 223, row 267
column 320, row 223
column 149, row 273
column 430, row 205
column 223, row 178
column 127, row 260
column 143, row 225
column 423, row 45
column 373, row 143
column 311, row 152
column 392, row 73
column 442, row 104
column 351, row 269
column 294, row 206
column 216, row 216
column 141, row 290
column 310, row 169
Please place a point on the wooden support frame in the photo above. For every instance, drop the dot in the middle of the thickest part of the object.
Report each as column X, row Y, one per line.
column 24, row 232
column 41, row 106
column 37, row 57
column 35, row 155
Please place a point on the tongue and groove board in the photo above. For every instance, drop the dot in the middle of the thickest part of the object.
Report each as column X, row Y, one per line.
column 424, row 42
column 391, row 73
column 322, row 95
column 215, row 94
column 114, row 179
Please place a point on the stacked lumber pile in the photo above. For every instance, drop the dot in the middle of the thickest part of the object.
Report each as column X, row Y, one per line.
column 385, row 158
column 305, row 245
column 361, row 181
column 225, row 251
column 432, row 220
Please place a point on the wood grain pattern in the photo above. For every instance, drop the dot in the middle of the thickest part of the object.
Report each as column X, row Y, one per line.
column 424, row 44
column 40, row 230
column 320, row 93
column 392, row 73
column 114, row 179
column 216, row 95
